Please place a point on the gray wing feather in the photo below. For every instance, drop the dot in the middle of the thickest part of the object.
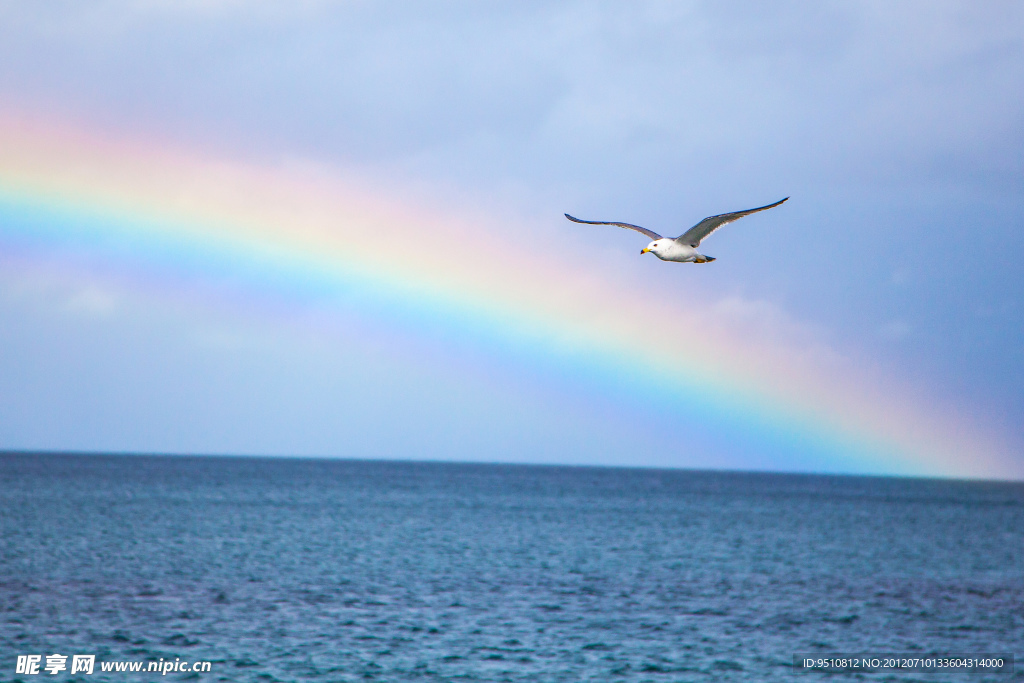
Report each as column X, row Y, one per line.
column 650, row 233
column 694, row 235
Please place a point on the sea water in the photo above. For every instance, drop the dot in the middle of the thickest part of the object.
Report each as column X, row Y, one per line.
column 333, row 570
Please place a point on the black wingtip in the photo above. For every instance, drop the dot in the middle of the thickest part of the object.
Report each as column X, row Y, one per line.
column 574, row 220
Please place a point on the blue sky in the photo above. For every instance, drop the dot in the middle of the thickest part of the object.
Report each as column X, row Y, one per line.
column 897, row 129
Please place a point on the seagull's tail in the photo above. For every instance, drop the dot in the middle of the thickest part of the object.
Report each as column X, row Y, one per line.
column 701, row 258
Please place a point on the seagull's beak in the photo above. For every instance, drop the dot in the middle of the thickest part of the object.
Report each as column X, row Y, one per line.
column 645, row 250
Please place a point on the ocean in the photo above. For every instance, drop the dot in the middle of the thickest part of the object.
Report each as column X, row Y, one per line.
column 341, row 570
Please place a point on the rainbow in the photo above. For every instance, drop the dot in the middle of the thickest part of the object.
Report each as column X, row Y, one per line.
column 312, row 234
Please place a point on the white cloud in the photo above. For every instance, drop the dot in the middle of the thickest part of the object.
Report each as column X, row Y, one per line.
column 92, row 300
column 764, row 321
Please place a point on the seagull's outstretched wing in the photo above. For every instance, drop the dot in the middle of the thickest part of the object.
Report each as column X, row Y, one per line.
column 650, row 233
column 694, row 235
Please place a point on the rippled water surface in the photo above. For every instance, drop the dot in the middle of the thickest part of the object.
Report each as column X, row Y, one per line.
column 295, row 570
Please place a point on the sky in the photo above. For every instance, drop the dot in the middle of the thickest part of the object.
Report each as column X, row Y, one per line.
column 335, row 229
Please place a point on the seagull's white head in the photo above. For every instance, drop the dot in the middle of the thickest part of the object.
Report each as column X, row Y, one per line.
column 655, row 246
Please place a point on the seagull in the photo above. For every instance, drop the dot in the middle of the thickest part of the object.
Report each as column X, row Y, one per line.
column 683, row 248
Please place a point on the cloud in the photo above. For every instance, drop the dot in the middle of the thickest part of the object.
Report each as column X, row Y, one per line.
column 760, row 321
column 92, row 301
